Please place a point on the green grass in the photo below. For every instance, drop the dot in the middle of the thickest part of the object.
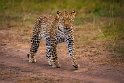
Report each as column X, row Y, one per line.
column 114, row 29
column 17, row 10
column 21, row 14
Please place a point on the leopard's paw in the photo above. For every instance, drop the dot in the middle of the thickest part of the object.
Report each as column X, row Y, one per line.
column 31, row 59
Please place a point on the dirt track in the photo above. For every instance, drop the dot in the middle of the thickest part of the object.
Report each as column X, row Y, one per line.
column 14, row 67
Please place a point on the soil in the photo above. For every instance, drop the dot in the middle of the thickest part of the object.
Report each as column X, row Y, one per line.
column 96, row 65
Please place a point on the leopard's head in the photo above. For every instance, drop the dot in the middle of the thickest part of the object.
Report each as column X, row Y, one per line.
column 66, row 19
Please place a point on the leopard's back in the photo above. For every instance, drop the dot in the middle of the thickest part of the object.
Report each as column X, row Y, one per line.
column 44, row 25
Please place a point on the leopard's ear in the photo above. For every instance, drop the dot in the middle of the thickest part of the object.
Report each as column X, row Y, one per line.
column 58, row 14
column 73, row 13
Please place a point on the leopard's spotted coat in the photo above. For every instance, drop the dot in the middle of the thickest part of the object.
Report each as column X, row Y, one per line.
column 54, row 30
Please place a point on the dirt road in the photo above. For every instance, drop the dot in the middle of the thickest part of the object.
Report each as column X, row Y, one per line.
column 14, row 67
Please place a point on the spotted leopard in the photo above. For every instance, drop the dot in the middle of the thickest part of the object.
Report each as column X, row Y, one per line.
column 54, row 30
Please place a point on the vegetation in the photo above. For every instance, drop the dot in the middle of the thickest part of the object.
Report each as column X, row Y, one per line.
column 108, row 14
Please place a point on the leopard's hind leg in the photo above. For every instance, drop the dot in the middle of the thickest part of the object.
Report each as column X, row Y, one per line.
column 34, row 47
column 51, row 53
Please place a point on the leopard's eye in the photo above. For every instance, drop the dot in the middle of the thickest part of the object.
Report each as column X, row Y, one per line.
column 72, row 20
column 63, row 20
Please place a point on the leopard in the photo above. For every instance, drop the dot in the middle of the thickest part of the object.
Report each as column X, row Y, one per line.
column 54, row 29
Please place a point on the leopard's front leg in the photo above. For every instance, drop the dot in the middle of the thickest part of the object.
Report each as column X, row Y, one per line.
column 70, row 45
